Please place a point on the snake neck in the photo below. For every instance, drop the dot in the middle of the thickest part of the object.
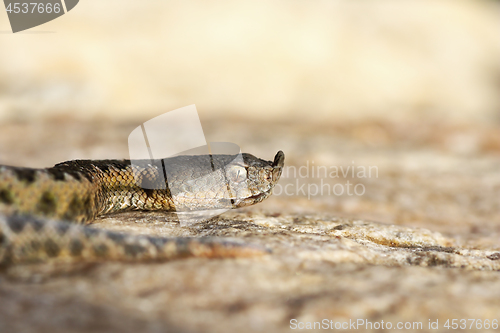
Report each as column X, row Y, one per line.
column 78, row 191
column 116, row 186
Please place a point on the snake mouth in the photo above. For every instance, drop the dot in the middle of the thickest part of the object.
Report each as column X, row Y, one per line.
column 259, row 197
column 253, row 199
column 262, row 195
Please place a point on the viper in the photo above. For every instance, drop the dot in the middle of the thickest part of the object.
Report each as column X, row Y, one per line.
column 44, row 213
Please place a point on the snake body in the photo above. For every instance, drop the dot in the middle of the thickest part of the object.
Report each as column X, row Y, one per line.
column 40, row 209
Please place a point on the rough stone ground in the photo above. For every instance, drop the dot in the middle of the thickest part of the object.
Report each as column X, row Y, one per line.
column 421, row 243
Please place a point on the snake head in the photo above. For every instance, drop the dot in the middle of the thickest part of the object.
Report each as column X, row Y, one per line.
column 253, row 180
column 232, row 181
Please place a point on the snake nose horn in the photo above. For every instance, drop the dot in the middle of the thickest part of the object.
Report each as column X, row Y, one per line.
column 279, row 160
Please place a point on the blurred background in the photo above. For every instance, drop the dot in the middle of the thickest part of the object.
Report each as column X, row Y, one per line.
column 296, row 60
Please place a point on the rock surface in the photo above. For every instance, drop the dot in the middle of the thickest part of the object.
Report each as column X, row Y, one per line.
column 421, row 244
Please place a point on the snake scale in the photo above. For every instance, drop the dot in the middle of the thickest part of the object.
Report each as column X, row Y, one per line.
column 42, row 210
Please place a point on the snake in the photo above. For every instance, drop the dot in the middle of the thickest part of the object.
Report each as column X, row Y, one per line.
column 45, row 214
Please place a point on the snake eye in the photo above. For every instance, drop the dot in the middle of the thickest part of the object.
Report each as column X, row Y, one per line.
column 237, row 174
